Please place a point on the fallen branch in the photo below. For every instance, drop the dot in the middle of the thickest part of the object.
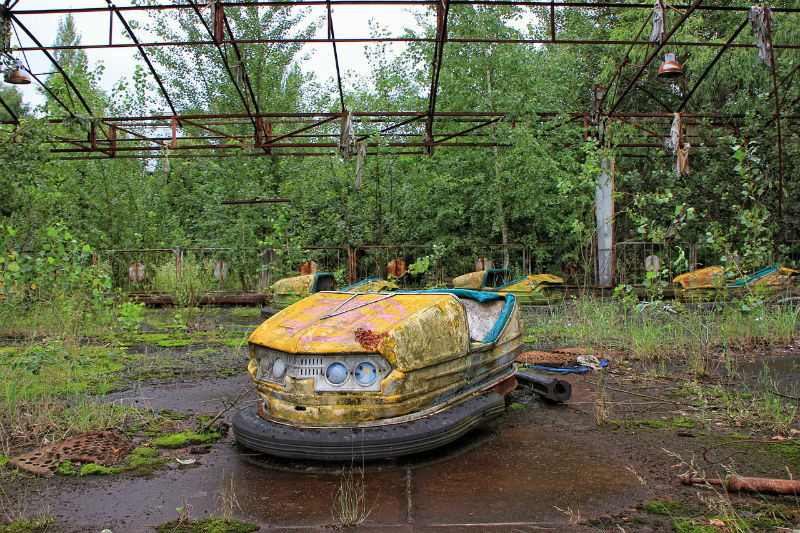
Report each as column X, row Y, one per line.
column 782, row 395
column 226, row 408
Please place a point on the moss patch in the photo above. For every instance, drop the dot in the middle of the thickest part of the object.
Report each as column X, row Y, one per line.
column 663, row 508
column 515, row 406
column 144, row 451
column 206, row 525
column 174, row 343
column 790, row 450
column 93, row 469
column 4, row 460
column 183, row 438
column 67, row 468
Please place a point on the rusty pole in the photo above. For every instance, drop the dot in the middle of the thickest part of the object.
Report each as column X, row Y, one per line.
column 749, row 484
column 777, row 116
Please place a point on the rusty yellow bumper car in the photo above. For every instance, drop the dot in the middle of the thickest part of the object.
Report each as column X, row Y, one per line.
column 709, row 283
column 287, row 291
column 534, row 289
column 378, row 375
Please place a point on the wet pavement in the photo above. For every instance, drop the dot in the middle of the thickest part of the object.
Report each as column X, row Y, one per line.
column 509, row 476
column 505, row 477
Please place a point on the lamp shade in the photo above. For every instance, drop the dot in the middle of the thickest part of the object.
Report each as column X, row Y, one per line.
column 16, row 76
column 670, row 68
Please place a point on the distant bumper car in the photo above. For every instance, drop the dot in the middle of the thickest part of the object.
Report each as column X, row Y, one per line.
column 535, row 289
column 372, row 285
column 350, row 375
column 287, row 291
column 709, row 283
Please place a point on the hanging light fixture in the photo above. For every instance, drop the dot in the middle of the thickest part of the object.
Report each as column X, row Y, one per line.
column 670, row 68
column 15, row 75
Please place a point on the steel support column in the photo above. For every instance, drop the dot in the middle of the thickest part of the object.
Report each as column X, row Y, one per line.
column 604, row 217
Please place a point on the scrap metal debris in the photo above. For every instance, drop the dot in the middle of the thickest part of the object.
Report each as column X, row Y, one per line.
column 105, row 448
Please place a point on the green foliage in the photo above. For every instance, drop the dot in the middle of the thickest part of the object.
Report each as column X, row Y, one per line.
column 131, row 315
column 206, row 525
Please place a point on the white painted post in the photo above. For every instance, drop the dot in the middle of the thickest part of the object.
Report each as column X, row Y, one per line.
column 604, row 214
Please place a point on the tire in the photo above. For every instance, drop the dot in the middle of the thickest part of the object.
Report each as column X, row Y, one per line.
column 367, row 443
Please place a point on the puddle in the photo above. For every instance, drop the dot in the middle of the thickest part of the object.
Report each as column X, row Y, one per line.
column 784, row 370
column 490, row 480
column 192, row 398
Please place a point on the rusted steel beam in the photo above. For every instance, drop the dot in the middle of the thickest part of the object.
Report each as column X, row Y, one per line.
column 55, row 63
column 212, row 130
column 272, row 140
column 777, row 116
column 655, row 52
column 711, row 65
column 442, row 10
column 637, row 126
column 394, row 126
column 129, row 132
column 144, row 55
column 473, row 128
column 219, row 147
column 76, row 142
column 301, row 3
column 14, row 116
column 224, row 58
column 621, row 64
column 332, row 38
column 240, row 59
column 457, row 40
column 254, row 154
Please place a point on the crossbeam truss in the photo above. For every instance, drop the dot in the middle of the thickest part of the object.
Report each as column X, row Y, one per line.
column 255, row 133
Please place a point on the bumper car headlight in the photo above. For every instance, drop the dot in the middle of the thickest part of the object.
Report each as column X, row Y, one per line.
column 336, row 373
column 365, row 373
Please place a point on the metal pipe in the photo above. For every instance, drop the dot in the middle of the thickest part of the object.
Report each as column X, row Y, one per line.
column 301, row 3
column 749, row 484
column 556, row 390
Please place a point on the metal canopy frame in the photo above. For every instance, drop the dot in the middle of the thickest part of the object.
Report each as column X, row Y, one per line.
column 412, row 132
